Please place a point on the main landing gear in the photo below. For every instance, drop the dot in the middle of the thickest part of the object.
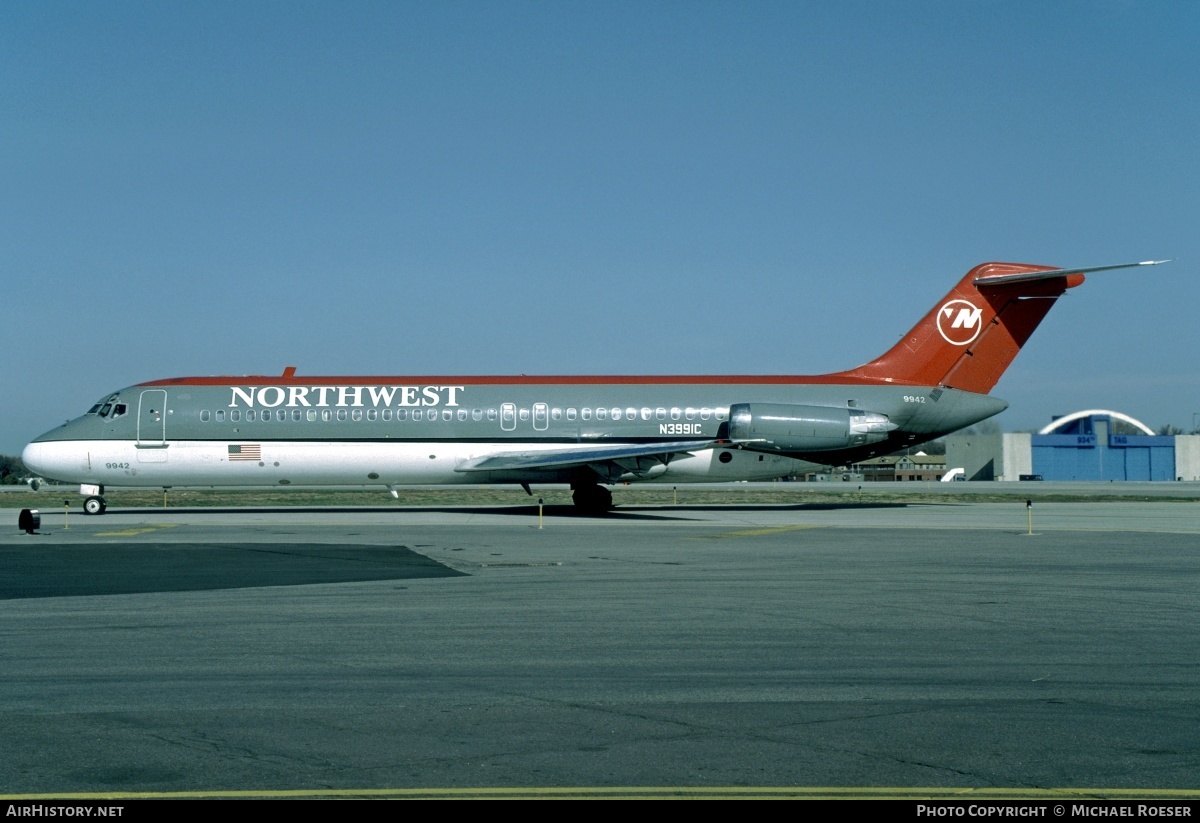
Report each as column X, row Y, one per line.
column 591, row 499
column 94, row 505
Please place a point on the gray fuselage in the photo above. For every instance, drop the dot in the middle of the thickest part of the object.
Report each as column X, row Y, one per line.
column 395, row 431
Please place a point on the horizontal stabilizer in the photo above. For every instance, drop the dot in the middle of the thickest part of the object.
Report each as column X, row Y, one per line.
column 1023, row 277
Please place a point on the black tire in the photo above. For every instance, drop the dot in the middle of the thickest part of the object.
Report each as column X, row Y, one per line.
column 593, row 500
column 94, row 505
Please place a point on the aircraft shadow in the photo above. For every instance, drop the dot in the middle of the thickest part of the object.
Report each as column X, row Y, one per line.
column 656, row 512
column 57, row 570
column 564, row 511
column 781, row 507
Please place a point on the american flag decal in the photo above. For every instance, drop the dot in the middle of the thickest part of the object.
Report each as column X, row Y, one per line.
column 246, row 451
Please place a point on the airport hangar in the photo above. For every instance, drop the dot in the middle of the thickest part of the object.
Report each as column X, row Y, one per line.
column 1096, row 444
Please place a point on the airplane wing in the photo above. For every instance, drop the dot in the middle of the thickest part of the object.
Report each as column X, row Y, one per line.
column 607, row 461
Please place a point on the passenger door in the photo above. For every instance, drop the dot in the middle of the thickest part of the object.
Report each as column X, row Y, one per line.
column 152, row 426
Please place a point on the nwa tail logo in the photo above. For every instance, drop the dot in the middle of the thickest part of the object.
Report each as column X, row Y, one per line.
column 959, row 322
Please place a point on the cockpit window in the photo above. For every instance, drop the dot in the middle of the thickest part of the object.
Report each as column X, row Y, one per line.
column 119, row 409
column 106, row 405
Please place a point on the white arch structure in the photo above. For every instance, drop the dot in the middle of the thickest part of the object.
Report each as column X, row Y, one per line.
column 1071, row 418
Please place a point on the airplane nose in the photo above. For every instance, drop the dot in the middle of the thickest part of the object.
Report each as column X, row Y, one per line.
column 46, row 460
column 33, row 458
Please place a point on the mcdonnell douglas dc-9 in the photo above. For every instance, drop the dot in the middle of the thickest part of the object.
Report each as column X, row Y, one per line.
column 585, row 431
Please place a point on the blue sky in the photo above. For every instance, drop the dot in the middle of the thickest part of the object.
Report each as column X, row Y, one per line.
column 566, row 187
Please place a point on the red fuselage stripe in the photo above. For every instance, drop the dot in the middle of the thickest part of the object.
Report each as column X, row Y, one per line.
column 522, row 380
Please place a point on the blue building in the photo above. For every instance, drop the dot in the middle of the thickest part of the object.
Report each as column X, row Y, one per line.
column 1096, row 444
column 1086, row 446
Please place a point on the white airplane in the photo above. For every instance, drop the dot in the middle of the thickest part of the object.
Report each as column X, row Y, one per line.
column 586, row 431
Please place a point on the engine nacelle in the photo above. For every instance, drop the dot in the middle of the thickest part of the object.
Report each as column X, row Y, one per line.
column 787, row 428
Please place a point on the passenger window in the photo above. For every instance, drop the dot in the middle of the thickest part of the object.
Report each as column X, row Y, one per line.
column 372, row 414
column 523, row 414
column 387, row 414
column 220, row 415
column 280, row 414
column 250, row 415
column 235, row 415
column 447, row 414
column 462, row 414
column 586, row 414
column 298, row 415
column 355, row 414
column 719, row 414
column 616, row 414
column 690, row 413
column 601, row 414
column 675, row 413
column 705, row 413
column 312, row 415
column 476, row 414
column 491, row 414
column 556, row 414
column 570, row 414
column 661, row 414
column 204, row 415
column 417, row 414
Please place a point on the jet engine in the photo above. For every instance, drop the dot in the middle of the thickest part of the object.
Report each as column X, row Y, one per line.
column 798, row 429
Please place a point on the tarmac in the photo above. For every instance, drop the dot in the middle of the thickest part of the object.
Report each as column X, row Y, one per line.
column 837, row 648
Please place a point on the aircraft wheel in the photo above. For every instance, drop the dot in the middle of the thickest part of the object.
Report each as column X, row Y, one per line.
column 94, row 505
column 592, row 499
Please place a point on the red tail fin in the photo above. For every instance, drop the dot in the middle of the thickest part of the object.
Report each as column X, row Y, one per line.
column 972, row 335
